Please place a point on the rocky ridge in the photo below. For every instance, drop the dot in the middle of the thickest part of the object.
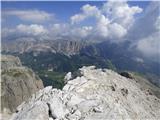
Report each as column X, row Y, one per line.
column 66, row 47
column 96, row 94
column 18, row 83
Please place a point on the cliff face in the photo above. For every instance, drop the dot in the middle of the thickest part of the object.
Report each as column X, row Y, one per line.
column 8, row 61
column 95, row 94
column 18, row 83
column 66, row 47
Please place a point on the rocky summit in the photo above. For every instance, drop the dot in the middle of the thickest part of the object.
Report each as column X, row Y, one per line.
column 18, row 83
column 95, row 94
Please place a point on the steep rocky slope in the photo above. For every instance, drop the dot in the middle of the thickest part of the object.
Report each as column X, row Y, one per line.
column 96, row 94
column 18, row 83
column 67, row 47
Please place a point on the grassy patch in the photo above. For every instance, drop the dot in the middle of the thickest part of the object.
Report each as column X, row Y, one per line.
column 51, row 78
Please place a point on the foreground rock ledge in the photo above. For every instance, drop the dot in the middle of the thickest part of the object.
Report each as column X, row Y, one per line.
column 96, row 95
column 18, row 83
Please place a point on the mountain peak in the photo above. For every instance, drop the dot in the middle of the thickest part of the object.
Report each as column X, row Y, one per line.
column 96, row 94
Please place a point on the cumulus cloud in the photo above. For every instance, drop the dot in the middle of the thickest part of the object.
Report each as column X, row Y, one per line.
column 150, row 46
column 82, row 32
column 110, row 30
column 146, row 24
column 32, row 29
column 58, row 29
column 69, row 30
column 87, row 11
column 117, row 30
column 120, row 12
column 112, row 20
column 21, row 30
column 29, row 15
column 40, row 32
column 145, row 33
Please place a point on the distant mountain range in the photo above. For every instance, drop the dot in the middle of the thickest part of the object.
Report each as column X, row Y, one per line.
column 67, row 55
column 66, row 47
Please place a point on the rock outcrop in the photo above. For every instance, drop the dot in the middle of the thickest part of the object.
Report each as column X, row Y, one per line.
column 98, row 94
column 18, row 83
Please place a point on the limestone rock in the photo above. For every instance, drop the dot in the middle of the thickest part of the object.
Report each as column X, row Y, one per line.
column 9, row 61
column 95, row 95
column 68, row 77
column 18, row 83
column 39, row 111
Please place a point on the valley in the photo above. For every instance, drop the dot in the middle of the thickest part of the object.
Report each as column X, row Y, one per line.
column 52, row 66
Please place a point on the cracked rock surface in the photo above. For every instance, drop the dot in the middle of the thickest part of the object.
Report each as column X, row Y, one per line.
column 96, row 95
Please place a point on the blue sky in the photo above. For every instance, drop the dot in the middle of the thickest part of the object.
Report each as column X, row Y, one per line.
column 62, row 10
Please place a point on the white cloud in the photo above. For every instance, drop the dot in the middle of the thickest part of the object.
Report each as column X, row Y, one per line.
column 120, row 12
column 59, row 29
column 77, row 18
column 69, row 30
column 145, row 25
column 87, row 11
column 112, row 20
column 40, row 32
column 54, row 31
column 145, row 33
column 90, row 10
column 150, row 46
column 32, row 29
column 102, row 26
column 82, row 32
column 110, row 30
column 116, row 30
column 29, row 15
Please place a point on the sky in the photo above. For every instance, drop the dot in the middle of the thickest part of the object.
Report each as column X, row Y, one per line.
column 61, row 10
column 136, row 21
